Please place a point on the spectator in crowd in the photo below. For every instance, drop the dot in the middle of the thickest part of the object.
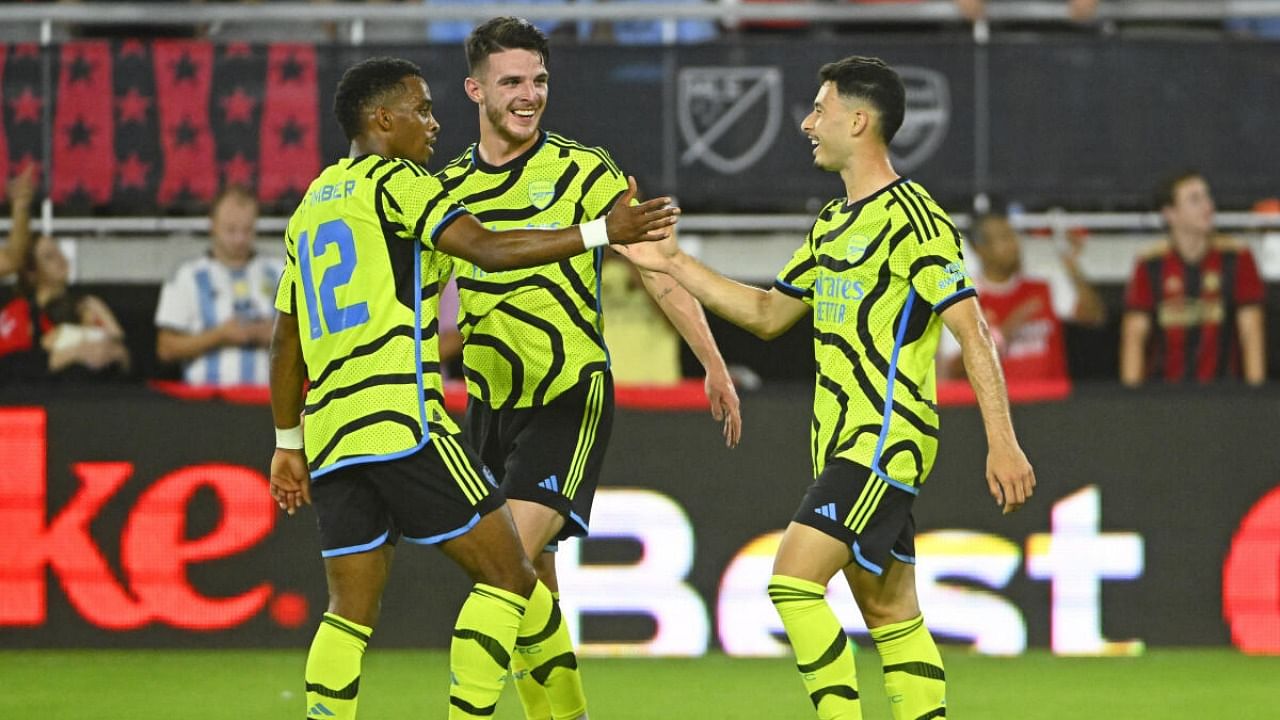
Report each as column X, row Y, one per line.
column 1080, row 11
column 215, row 314
column 1194, row 304
column 456, row 31
column 1025, row 313
column 54, row 331
column 649, row 32
column 18, row 342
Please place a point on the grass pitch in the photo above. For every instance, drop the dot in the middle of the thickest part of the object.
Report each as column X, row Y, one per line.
column 1197, row 684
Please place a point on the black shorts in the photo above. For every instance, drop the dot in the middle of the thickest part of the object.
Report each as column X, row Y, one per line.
column 433, row 495
column 860, row 509
column 550, row 455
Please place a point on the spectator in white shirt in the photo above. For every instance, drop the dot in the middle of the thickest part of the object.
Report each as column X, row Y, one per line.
column 215, row 314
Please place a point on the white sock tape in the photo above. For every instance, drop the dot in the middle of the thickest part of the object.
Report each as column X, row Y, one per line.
column 289, row 438
column 594, row 234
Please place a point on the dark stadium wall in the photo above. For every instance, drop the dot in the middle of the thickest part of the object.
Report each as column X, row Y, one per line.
column 132, row 519
column 705, row 122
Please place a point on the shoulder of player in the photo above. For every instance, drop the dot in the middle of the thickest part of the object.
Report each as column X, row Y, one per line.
column 1228, row 244
column 1153, row 250
column 566, row 147
column 461, row 163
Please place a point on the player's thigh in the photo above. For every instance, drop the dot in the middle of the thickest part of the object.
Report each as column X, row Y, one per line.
column 809, row 554
column 555, row 454
column 537, row 525
column 491, row 553
column 356, row 583
column 438, row 493
column 866, row 517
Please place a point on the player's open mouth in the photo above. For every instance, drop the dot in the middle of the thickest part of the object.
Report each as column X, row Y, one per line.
column 528, row 113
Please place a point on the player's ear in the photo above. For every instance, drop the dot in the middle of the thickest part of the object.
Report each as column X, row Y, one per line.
column 380, row 118
column 472, row 88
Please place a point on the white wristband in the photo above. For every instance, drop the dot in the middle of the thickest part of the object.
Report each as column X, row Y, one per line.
column 594, row 234
column 289, row 438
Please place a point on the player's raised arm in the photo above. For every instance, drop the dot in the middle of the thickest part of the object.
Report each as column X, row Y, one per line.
column 510, row 249
column 764, row 313
column 1009, row 475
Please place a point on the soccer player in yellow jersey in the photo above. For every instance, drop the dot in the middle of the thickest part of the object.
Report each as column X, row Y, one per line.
column 358, row 304
column 540, row 403
column 881, row 272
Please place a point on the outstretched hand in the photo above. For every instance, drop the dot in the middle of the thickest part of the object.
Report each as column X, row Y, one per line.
column 725, row 406
column 1009, row 477
column 645, row 222
column 290, row 480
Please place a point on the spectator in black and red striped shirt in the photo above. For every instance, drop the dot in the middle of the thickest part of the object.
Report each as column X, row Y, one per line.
column 1194, row 305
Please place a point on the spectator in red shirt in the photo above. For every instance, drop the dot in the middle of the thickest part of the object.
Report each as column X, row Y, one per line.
column 1025, row 313
column 1193, row 308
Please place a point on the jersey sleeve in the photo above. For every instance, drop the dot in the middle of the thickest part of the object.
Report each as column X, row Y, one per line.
column 797, row 277
column 1138, row 295
column 936, row 268
column 1249, row 289
column 602, row 186
column 176, row 309
column 285, row 293
column 420, row 205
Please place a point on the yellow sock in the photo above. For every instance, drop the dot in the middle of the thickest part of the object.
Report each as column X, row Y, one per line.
column 913, row 675
column 552, row 685
column 481, row 650
column 822, row 649
column 333, row 668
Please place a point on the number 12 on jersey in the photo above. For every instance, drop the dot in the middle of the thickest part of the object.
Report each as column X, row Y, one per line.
column 336, row 317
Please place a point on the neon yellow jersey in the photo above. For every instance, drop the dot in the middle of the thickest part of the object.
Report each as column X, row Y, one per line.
column 529, row 335
column 363, row 277
column 877, row 273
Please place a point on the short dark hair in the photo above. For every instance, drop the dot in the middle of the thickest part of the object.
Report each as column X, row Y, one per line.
column 870, row 79
column 975, row 228
column 504, row 33
column 1167, row 189
column 365, row 83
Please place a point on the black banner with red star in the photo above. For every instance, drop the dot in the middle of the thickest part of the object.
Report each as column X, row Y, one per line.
column 158, row 127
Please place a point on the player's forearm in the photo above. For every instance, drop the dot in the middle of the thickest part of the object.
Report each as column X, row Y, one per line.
column 740, row 304
column 982, row 365
column 517, row 249
column 287, row 372
column 687, row 317
column 174, row 346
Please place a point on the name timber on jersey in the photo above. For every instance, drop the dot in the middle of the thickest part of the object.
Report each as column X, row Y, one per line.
column 363, row 278
column 529, row 335
column 877, row 273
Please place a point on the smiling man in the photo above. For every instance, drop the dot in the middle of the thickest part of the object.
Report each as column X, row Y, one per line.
column 540, row 392
column 880, row 273
column 379, row 459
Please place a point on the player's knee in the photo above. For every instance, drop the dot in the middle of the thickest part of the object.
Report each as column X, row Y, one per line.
column 513, row 576
column 886, row 610
column 356, row 607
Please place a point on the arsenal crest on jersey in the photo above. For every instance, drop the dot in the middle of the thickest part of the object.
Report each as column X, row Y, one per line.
column 541, row 193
